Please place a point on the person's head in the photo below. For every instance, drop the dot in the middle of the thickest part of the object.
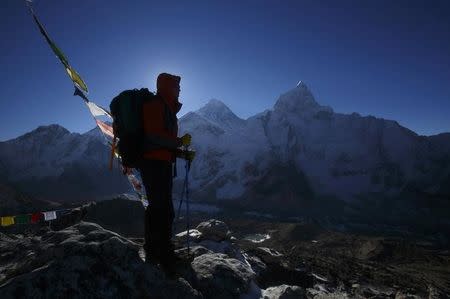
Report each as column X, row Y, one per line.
column 168, row 85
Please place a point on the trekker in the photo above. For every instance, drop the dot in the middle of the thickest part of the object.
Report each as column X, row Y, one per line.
column 161, row 148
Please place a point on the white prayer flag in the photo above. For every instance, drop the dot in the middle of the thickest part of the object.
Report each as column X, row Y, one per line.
column 96, row 110
column 51, row 215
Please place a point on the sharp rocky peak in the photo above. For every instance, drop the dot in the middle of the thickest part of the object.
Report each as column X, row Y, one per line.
column 296, row 99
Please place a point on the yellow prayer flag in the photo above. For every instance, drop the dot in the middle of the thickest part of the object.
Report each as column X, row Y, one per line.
column 6, row 221
column 76, row 78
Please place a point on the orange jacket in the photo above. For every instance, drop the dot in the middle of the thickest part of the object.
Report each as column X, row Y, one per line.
column 160, row 120
column 160, row 133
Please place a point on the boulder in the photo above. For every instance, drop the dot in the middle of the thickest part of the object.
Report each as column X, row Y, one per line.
column 268, row 255
column 257, row 265
column 82, row 261
column 284, row 292
column 272, row 269
column 214, row 230
column 219, row 276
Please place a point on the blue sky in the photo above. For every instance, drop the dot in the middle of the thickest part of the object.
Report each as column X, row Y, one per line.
column 389, row 59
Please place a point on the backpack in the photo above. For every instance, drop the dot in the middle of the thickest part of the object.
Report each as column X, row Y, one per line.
column 126, row 110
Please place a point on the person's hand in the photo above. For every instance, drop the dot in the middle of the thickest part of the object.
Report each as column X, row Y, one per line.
column 185, row 140
column 186, row 154
column 189, row 155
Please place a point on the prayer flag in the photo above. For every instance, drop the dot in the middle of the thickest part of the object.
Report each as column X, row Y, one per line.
column 96, row 110
column 23, row 219
column 76, row 78
column 7, row 221
column 36, row 217
column 105, row 128
column 51, row 215
column 79, row 93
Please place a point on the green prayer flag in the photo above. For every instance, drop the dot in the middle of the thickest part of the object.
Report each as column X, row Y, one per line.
column 23, row 219
column 76, row 78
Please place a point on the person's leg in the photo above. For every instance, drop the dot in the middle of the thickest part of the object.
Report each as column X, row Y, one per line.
column 151, row 171
column 167, row 214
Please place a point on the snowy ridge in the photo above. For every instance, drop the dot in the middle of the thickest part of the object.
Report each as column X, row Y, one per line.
column 340, row 155
column 297, row 150
column 53, row 162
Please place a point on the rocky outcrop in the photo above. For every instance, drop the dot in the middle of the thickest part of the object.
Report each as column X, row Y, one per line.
column 87, row 261
column 82, row 261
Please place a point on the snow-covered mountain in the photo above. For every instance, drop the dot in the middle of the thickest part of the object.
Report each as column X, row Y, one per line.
column 52, row 163
column 300, row 150
column 296, row 154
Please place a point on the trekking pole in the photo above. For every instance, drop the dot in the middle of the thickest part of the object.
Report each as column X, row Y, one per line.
column 188, row 167
column 179, row 205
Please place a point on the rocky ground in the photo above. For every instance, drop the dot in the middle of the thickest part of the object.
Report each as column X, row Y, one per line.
column 362, row 266
column 232, row 258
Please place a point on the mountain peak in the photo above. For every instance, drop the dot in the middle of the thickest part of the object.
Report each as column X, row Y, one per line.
column 216, row 111
column 296, row 99
column 301, row 84
column 54, row 130
column 214, row 104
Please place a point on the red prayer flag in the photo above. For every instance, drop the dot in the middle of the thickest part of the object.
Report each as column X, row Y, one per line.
column 36, row 217
column 107, row 129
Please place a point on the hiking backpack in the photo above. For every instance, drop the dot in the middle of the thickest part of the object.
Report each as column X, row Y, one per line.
column 126, row 110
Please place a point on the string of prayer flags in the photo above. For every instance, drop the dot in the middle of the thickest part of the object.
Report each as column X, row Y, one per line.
column 74, row 76
column 101, row 116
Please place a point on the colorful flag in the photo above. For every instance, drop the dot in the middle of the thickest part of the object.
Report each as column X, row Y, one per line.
column 106, row 129
column 7, row 221
column 36, row 217
column 97, row 110
column 81, row 94
column 76, row 79
column 23, row 219
column 51, row 215
column 74, row 76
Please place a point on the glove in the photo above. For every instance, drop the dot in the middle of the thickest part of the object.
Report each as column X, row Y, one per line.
column 190, row 155
column 185, row 140
column 187, row 155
